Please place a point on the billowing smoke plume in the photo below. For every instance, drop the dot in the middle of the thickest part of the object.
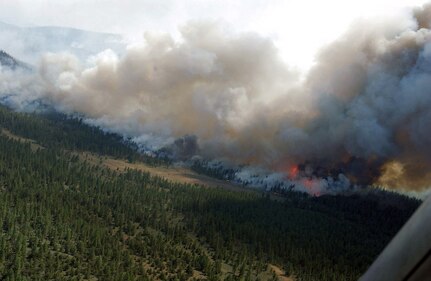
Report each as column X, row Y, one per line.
column 361, row 116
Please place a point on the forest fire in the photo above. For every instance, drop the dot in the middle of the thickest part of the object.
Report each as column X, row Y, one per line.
column 311, row 186
column 293, row 172
column 229, row 96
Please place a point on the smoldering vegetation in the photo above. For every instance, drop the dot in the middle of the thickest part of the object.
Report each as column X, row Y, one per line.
column 360, row 116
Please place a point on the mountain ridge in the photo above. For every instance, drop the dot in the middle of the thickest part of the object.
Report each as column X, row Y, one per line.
column 30, row 43
column 10, row 62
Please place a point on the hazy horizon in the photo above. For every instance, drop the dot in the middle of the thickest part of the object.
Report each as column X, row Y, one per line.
column 289, row 24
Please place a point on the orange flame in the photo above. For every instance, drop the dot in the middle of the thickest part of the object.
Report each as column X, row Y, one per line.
column 293, row 171
column 311, row 187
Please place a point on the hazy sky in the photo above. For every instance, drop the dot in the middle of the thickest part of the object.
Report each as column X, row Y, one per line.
column 298, row 27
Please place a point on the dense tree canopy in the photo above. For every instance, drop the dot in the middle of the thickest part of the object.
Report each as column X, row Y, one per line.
column 63, row 218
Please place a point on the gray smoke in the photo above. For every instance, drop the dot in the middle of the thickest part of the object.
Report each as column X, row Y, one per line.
column 361, row 116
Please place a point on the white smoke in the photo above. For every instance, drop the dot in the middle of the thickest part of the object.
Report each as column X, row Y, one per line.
column 364, row 106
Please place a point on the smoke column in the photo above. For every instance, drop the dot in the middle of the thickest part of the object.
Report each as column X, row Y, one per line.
column 361, row 116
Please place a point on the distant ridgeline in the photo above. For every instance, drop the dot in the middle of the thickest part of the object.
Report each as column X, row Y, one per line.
column 8, row 61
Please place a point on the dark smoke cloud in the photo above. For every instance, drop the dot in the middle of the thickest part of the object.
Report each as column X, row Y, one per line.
column 182, row 149
column 361, row 116
column 372, row 90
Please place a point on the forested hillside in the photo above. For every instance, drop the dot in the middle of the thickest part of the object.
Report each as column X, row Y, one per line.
column 64, row 218
column 54, row 130
column 10, row 62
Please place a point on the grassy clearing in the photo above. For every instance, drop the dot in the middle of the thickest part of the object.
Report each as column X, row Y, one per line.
column 33, row 144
